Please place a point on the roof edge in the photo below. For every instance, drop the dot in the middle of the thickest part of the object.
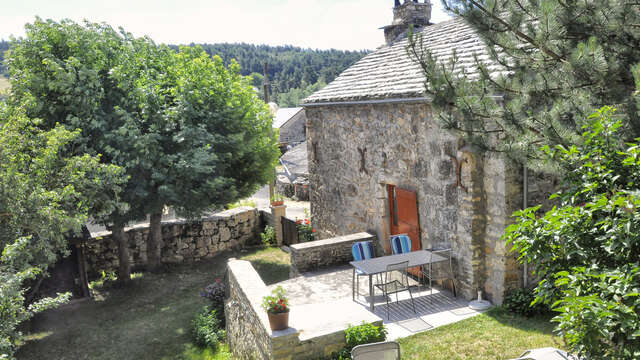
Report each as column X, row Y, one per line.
column 422, row 99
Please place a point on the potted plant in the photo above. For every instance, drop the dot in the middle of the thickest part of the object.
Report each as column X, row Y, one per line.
column 277, row 200
column 277, row 307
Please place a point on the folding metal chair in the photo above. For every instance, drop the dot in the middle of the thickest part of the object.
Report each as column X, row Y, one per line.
column 396, row 280
column 388, row 350
column 428, row 272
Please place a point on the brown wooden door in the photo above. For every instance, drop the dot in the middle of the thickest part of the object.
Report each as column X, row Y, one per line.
column 403, row 206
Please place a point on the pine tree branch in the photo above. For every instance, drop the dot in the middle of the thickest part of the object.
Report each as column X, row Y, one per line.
column 518, row 32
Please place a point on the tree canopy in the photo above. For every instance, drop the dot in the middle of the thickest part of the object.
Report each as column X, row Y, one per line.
column 44, row 196
column 560, row 60
column 188, row 132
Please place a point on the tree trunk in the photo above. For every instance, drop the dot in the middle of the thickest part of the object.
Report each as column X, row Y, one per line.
column 124, row 267
column 154, row 242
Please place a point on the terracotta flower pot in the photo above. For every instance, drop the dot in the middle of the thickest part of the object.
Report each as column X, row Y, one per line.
column 277, row 203
column 278, row 321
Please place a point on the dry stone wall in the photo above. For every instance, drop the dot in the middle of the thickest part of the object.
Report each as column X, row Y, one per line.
column 184, row 241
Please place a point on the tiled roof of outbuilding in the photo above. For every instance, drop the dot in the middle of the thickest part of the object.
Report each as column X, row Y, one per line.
column 388, row 72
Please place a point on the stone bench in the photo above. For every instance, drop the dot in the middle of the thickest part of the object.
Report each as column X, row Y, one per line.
column 319, row 254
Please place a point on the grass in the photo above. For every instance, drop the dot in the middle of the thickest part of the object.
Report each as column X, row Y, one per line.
column 245, row 202
column 496, row 334
column 150, row 319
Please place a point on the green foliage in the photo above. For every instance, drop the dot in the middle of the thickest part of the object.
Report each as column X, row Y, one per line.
column 359, row 335
column 44, row 196
column 268, row 236
column 277, row 302
column 306, row 232
column 207, row 329
column 520, row 301
column 292, row 70
column 559, row 59
column 215, row 293
column 294, row 96
column 586, row 250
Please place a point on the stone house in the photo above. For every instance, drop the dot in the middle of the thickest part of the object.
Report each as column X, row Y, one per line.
column 293, row 181
column 292, row 125
column 380, row 162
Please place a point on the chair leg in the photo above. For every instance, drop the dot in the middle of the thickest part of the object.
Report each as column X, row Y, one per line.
column 412, row 303
column 387, row 297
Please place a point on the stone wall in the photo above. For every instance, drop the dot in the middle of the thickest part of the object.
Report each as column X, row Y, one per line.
column 355, row 151
column 325, row 253
column 184, row 241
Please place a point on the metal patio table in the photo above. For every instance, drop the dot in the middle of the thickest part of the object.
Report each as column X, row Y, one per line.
column 379, row 265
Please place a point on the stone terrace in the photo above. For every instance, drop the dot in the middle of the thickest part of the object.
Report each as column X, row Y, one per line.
column 332, row 288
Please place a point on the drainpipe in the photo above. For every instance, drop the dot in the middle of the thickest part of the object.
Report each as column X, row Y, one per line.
column 525, row 195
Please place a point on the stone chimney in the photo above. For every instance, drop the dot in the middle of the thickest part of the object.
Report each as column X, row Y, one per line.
column 411, row 12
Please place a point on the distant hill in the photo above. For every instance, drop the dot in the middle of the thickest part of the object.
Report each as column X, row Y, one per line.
column 293, row 71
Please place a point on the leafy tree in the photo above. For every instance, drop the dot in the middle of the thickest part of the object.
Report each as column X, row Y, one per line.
column 188, row 132
column 66, row 69
column 586, row 251
column 559, row 60
column 44, row 196
column 294, row 97
column 214, row 142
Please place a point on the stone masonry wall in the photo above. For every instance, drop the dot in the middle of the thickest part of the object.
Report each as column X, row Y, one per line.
column 183, row 241
column 355, row 151
column 324, row 253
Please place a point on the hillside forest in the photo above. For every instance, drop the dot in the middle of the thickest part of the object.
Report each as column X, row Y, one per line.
column 294, row 73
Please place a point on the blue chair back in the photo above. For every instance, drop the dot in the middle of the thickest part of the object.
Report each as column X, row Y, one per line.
column 362, row 250
column 400, row 244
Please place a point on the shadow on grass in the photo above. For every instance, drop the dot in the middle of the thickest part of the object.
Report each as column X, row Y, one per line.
column 536, row 324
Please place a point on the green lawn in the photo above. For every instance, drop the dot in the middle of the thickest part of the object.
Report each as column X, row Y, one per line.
column 151, row 319
column 496, row 334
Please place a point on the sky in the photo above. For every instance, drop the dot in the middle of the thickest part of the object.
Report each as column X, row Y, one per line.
column 316, row 24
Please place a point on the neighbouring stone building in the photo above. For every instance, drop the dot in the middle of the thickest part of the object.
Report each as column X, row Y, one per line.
column 292, row 123
column 372, row 139
column 293, row 181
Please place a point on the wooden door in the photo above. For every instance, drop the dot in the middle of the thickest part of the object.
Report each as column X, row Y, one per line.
column 403, row 206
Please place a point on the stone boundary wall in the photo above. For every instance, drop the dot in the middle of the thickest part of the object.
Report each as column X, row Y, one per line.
column 324, row 253
column 184, row 241
column 249, row 335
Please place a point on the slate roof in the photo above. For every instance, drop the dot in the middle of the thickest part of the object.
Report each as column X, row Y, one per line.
column 295, row 160
column 388, row 72
column 283, row 115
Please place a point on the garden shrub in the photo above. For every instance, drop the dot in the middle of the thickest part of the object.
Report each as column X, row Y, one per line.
column 216, row 293
column 359, row 335
column 207, row 328
column 586, row 250
column 306, row 232
column 520, row 301
column 268, row 236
